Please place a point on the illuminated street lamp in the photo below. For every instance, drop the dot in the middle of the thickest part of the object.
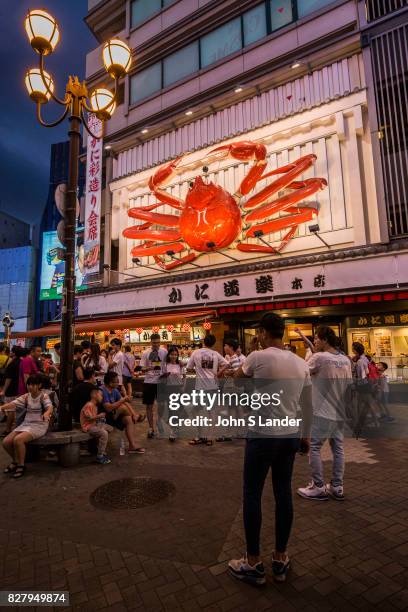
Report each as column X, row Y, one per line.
column 43, row 33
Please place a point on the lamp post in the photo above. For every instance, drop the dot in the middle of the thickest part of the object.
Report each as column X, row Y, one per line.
column 43, row 33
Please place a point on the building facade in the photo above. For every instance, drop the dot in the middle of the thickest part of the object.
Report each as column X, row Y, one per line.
column 13, row 232
column 302, row 78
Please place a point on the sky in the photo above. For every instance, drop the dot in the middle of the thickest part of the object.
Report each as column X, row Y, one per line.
column 25, row 146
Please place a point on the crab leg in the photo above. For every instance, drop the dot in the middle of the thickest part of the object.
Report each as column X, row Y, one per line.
column 269, row 227
column 152, row 217
column 135, row 233
column 160, row 178
column 150, row 248
column 304, row 189
column 176, row 263
column 291, row 171
column 246, row 151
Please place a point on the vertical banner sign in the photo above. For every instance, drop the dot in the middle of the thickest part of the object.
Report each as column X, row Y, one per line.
column 92, row 238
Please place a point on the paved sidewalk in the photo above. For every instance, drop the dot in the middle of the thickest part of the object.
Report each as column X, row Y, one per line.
column 172, row 555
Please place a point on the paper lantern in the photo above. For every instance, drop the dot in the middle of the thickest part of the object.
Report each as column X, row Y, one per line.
column 207, row 325
column 125, row 331
column 170, row 328
column 139, row 330
column 186, row 327
column 156, row 329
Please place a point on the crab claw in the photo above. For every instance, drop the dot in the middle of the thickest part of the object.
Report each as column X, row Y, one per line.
column 163, row 175
column 243, row 150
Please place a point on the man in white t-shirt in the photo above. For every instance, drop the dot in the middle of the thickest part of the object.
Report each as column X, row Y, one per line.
column 331, row 375
column 153, row 362
column 288, row 372
column 207, row 363
column 116, row 360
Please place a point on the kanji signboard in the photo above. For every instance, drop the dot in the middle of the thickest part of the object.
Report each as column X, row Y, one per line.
column 93, row 191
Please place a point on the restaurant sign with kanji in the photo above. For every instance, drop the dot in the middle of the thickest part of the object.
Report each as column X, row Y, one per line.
column 93, row 191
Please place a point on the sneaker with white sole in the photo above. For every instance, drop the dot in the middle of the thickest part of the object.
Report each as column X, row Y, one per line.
column 280, row 569
column 335, row 492
column 252, row 574
column 314, row 492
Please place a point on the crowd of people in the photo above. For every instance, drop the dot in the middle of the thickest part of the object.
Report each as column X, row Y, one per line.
column 331, row 390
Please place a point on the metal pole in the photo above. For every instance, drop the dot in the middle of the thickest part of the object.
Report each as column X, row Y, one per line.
column 68, row 301
column 107, row 251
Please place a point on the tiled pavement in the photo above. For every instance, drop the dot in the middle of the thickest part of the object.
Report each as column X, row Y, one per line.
column 171, row 555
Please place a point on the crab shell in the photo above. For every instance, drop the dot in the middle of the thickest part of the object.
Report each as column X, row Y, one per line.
column 210, row 215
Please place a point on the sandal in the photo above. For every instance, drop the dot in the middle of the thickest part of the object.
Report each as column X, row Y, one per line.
column 198, row 441
column 19, row 471
column 136, row 451
column 10, row 469
column 140, row 418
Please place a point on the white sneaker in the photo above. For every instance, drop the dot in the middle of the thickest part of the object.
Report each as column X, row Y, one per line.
column 335, row 492
column 313, row 492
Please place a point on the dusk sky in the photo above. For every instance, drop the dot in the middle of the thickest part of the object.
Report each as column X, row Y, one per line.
column 24, row 144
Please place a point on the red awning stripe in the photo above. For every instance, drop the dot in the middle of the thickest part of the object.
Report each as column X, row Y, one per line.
column 146, row 320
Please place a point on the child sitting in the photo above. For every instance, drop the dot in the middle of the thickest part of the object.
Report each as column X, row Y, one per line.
column 94, row 424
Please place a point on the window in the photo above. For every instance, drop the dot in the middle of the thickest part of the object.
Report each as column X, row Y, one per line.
column 281, row 13
column 254, row 24
column 142, row 9
column 180, row 64
column 145, row 83
column 308, row 6
column 221, row 42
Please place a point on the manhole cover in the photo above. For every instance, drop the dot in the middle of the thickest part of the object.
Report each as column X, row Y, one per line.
column 131, row 493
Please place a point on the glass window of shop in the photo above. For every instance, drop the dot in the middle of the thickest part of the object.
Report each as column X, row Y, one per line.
column 145, row 83
column 221, row 42
column 180, row 64
column 281, row 13
column 388, row 344
column 254, row 22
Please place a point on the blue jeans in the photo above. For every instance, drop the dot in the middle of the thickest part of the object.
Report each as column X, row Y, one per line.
column 322, row 430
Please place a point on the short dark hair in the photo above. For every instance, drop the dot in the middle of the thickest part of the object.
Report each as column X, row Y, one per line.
column 35, row 346
column 384, row 365
column 358, row 348
column 128, row 348
column 88, row 373
column 232, row 342
column 77, row 349
column 3, row 347
column 210, row 340
column 109, row 377
column 325, row 333
column 155, row 337
column 85, row 344
column 35, row 379
column 273, row 324
column 117, row 342
column 45, row 381
column 57, row 346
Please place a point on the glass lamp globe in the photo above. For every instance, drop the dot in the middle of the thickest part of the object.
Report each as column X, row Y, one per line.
column 37, row 89
column 116, row 57
column 103, row 103
column 42, row 31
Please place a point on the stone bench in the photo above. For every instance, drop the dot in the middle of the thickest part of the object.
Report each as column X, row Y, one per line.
column 67, row 444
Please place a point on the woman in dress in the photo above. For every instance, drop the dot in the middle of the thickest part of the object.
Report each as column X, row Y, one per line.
column 173, row 377
column 38, row 410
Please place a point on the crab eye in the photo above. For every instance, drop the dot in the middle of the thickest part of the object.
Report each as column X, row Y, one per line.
column 205, row 169
column 191, row 184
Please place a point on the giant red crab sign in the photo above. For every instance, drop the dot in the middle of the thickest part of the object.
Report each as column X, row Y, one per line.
column 211, row 219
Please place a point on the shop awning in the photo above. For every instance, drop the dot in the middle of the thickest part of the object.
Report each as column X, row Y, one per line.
column 146, row 320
